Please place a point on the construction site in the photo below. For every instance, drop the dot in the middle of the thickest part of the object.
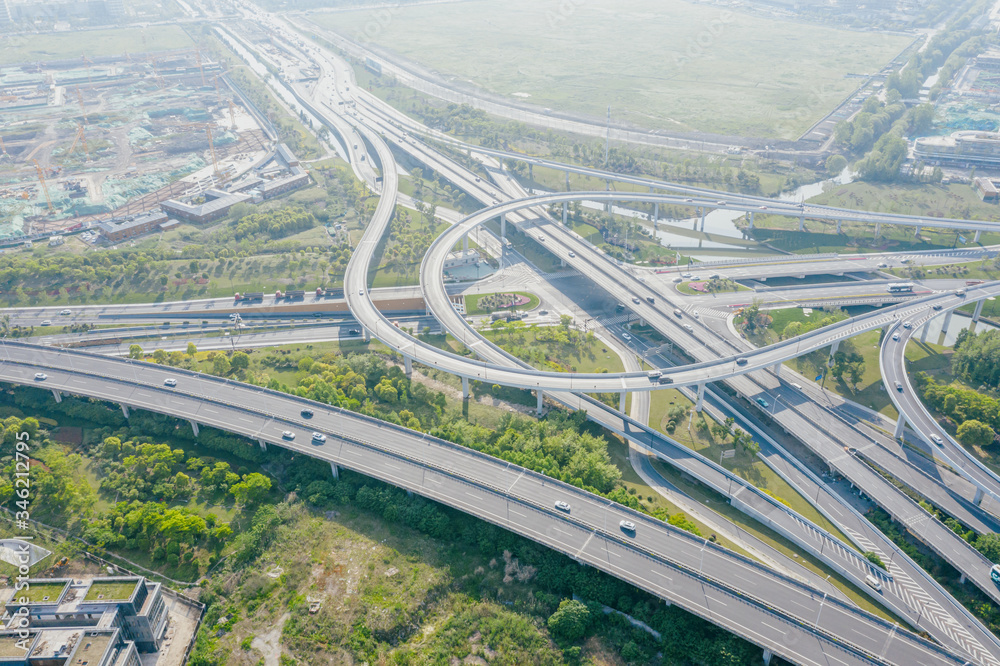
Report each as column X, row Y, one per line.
column 83, row 141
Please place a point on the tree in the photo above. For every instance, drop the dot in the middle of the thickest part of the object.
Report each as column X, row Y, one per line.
column 220, row 365
column 191, row 349
column 570, row 620
column 160, row 356
column 135, row 351
column 251, row 489
column 975, row 433
column 989, row 545
column 240, row 361
column 836, row 164
column 873, row 557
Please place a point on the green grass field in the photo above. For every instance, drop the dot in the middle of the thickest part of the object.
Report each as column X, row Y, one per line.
column 686, row 66
column 25, row 48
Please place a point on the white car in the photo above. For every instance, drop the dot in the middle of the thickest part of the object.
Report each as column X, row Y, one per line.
column 937, row 439
column 685, row 275
column 899, row 386
column 626, row 336
column 572, row 254
column 41, row 376
column 907, row 325
column 627, row 525
column 319, row 437
column 895, row 337
column 562, row 506
column 287, row 434
column 361, row 292
column 541, row 239
column 66, row 312
column 873, row 583
column 46, row 322
column 170, row 382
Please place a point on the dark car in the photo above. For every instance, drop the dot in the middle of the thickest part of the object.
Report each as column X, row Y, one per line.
column 308, row 413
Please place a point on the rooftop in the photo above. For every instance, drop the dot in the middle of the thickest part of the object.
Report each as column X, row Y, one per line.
column 92, row 647
column 53, row 643
column 12, row 646
column 38, row 592
column 112, row 590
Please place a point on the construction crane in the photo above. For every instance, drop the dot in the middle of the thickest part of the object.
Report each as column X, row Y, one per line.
column 45, row 188
column 211, row 147
column 88, row 63
column 80, row 139
column 79, row 96
column 232, row 114
column 156, row 75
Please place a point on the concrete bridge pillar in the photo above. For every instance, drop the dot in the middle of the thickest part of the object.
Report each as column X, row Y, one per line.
column 565, row 212
column 656, row 215
column 900, row 425
column 622, row 397
column 838, row 226
column 57, row 395
column 878, row 229
column 465, row 388
column 751, row 219
column 335, row 470
column 978, row 500
column 947, row 323
column 916, row 232
column 531, row 173
column 567, row 181
column 697, row 214
column 503, row 223
column 408, row 366
column 366, row 335
column 975, row 315
column 701, row 398
column 777, row 369
column 767, row 657
column 975, row 239
column 607, row 204
column 961, row 579
column 465, row 242
column 834, row 347
column 263, row 444
column 194, row 427
column 704, row 212
column 125, row 410
column 802, row 223
column 541, row 401
column 923, row 333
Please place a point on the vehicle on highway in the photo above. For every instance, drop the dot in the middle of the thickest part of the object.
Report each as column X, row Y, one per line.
column 686, row 275
column 663, row 379
column 626, row 336
column 960, row 293
column 562, row 506
column 308, row 413
column 937, row 439
column 938, row 306
column 873, row 583
column 319, row 437
column 720, row 203
column 541, row 239
column 650, row 299
column 41, row 376
column 797, row 386
column 695, row 277
column 900, row 287
column 763, row 403
column 654, row 374
column 899, row 386
column 170, row 381
column 572, row 254
column 971, row 283
column 287, row 434
column 627, row 526
column 678, row 279
column 354, row 331
column 678, row 313
column 478, row 179
column 46, row 322
column 995, row 574
column 66, row 312
column 742, row 360
column 635, row 299
column 895, row 337
column 907, row 325
column 882, row 264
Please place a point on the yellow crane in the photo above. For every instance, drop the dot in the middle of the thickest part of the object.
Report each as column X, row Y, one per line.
column 79, row 96
column 45, row 188
column 80, row 139
column 87, row 62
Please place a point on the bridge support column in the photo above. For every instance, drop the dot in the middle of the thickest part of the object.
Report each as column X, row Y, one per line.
column 751, row 219
column 656, row 215
column 767, row 657
column 834, row 347
column 978, row 500
column 704, row 212
column 697, row 214
column 125, row 410
column 802, row 223
column 947, row 322
column 975, row 239
column 565, row 212
column 531, row 175
column 878, row 229
column 900, row 425
column 701, row 398
column 194, row 427
column 916, row 232
column 777, row 369
column 838, row 226
column 607, row 188
column 408, row 366
column 567, row 181
column 979, row 311
column 503, row 226
column 465, row 242
column 541, row 401
column 57, row 395
column 622, row 397
column 335, row 470
column 923, row 334
column 366, row 335
column 961, row 579
column 465, row 388
column 263, row 444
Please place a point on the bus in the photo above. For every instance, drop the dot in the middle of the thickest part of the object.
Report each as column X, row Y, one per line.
column 900, row 287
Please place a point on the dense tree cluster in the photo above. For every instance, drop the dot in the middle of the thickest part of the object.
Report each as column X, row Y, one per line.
column 271, row 224
column 961, row 405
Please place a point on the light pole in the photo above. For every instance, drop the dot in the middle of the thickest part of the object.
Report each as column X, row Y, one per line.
column 818, row 613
